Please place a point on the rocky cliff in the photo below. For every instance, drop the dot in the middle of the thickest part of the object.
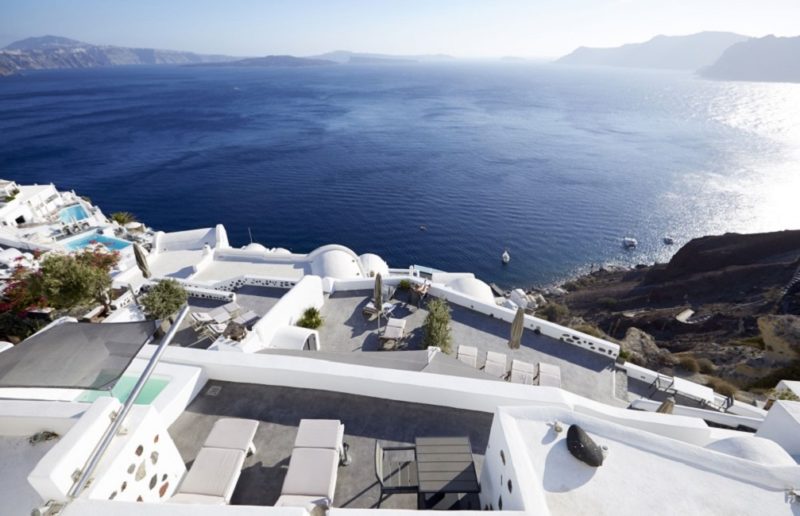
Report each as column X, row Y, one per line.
column 48, row 52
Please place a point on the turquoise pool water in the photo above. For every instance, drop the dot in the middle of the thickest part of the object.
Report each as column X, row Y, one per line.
column 123, row 389
column 72, row 214
column 115, row 244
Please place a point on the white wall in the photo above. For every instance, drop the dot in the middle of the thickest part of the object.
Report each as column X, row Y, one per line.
column 782, row 425
column 286, row 312
column 52, row 477
column 106, row 508
column 512, row 466
column 25, row 418
column 142, row 465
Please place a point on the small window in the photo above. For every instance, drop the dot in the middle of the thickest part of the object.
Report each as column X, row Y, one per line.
column 510, row 487
column 503, row 457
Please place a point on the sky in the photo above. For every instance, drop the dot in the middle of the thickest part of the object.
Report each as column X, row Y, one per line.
column 462, row 28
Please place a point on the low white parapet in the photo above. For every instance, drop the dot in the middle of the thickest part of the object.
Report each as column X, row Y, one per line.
column 52, row 477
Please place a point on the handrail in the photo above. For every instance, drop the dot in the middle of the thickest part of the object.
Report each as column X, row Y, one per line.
column 111, row 431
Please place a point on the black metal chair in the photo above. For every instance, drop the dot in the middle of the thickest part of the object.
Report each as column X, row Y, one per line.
column 395, row 475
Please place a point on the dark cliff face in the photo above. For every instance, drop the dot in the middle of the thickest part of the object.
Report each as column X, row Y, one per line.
column 763, row 59
column 714, row 253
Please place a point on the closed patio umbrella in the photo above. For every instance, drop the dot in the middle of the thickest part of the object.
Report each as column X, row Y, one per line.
column 141, row 260
column 517, row 327
column 666, row 406
column 378, row 297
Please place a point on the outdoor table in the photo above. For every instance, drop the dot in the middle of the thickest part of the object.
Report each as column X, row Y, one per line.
column 444, row 466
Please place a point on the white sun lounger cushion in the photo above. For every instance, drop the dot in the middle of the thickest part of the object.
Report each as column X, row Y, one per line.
column 522, row 372
column 214, row 472
column 468, row 355
column 232, row 433
column 320, row 433
column 312, row 472
column 549, row 375
column 496, row 364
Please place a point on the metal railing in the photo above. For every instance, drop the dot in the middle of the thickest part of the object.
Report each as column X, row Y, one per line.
column 97, row 454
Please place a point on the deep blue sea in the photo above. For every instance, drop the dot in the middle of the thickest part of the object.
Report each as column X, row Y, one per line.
column 556, row 164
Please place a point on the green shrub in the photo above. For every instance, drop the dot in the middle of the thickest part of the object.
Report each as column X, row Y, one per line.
column 123, row 217
column 624, row 354
column 689, row 364
column 721, row 386
column 63, row 281
column 609, row 303
column 404, row 284
column 164, row 299
column 14, row 327
column 311, row 319
column 553, row 312
column 706, row 366
column 437, row 325
column 782, row 394
column 754, row 342
column 589, row 329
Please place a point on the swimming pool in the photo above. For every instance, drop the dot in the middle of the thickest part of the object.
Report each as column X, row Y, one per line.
column 73, row 213
column 123, row 389
column 114, row 244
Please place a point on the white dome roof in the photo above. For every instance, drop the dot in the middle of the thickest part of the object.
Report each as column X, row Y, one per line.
column 336, row 263
column 281, row 250
column 373, row 264
column 473, row 287
column 756, row 449
column 253, row 246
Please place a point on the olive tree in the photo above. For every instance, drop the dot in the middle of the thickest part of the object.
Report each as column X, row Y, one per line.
column 437, row 325
column 164, row 299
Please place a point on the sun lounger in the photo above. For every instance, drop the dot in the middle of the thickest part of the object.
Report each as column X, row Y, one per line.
column 311, row 479
column 233, row 434
column 522, row 372
column 200, row 318
column 220, row 315
column 232, row 308
column 212, row 478
column 496, row 364
column 320, row 433
column 468, row 355
column 549, row 375
column 214, row 473
column 247, row 318
column 395, row 329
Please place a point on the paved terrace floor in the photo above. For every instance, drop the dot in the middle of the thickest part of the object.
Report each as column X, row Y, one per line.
column 258, row 299
column 582, row 372
column 280, row 410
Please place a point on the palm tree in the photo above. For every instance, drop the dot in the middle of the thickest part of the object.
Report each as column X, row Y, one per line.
column 123, row 217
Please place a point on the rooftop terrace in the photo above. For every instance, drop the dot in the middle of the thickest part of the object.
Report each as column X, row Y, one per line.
column 250, row 298
column 582, row 372
column 280, row 409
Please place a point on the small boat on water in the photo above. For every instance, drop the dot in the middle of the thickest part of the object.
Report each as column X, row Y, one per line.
column 505, row 257
column 668, row 240
column 629, row 243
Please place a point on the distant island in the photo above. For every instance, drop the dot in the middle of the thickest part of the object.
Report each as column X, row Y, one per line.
column 269, row 61
column 763, row 59
column 48, row 52
column 54, row 52
column 662, row 52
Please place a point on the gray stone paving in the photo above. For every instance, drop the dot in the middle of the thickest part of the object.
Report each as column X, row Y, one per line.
column 589, row 374
column 280, row 410
column 258, row 299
